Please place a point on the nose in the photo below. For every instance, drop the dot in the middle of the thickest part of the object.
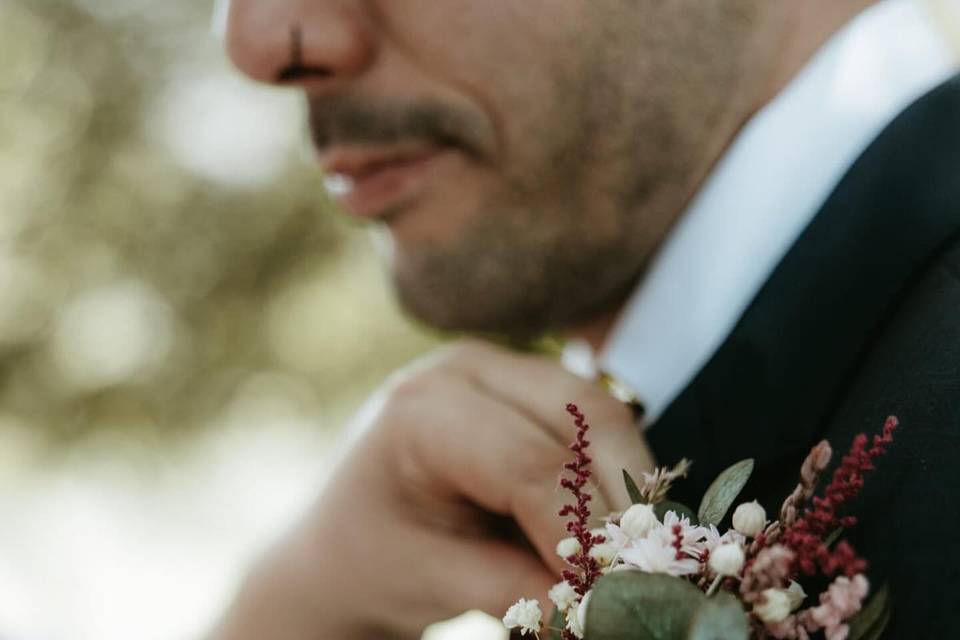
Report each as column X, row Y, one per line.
column 300, row 41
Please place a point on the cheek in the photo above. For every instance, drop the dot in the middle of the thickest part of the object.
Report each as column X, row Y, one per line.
column 508, row 57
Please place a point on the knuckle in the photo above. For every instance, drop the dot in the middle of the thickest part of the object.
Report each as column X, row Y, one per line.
column 424, row 373
column 401, row 432
column 413, row 384
column 408, row 399
column 389, row 414
column 410, row 386
column 537, row 466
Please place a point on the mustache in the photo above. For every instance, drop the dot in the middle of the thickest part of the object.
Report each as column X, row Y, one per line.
column 339, row 120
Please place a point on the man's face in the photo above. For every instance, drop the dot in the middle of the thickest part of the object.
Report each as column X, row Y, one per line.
column 523, row 157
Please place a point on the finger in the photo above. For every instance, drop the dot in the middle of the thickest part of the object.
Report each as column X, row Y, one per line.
column 472, row 445
column 541, row 389
column 413, row 574
column 534, row 385
column 492, row 577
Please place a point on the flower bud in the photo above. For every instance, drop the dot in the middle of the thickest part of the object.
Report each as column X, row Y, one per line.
column 638, row 520
column 749, row 519
column 775, row 607
column 603, row 553
column 568, row 547
column 796, row 594
column 727, row 559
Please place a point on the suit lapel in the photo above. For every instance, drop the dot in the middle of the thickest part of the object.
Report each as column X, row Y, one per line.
column 781, row 373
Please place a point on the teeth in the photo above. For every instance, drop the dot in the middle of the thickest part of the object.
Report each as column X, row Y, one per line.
column 337, row 184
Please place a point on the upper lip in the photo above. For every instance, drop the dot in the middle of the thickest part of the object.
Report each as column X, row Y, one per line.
column 358, row 161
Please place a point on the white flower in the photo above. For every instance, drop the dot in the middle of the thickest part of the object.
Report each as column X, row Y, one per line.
column 604, row 553
column 713, row 539
column 616, row 535
column 749, row 519
column 727, row 559
column 638, row 520
column 691, row 536
column 526, row 615
column 574, row 623
column 775, row 607
column 563, row 595
column 568, row 547
column 653, row 555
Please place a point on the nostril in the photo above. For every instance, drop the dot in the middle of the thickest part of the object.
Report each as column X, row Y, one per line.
column 297, row 70
column 294, row 73
column 318, row 43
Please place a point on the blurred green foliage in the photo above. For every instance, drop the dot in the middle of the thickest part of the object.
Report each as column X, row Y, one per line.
column 142, row 296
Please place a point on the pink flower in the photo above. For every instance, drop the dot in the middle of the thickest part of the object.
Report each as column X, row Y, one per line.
column 789, row 629
column 837, row 605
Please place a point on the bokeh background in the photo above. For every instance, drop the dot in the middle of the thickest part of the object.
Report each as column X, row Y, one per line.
column 185, row 323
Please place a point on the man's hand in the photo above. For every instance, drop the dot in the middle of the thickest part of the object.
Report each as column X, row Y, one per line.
column 458, row 456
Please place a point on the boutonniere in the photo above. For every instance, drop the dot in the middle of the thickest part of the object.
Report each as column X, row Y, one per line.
column 661, row 571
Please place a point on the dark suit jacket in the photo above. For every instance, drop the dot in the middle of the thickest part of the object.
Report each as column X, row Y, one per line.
column 860, row 320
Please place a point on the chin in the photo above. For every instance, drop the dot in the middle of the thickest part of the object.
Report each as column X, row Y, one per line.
column 509, row 311
column 493, row 270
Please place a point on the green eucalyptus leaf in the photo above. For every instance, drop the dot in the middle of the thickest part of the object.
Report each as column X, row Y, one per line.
column 877, row 630
column 682, row 510
column 724, row 490
column 872, row 620
column 632, row 605
column 632, row 490
column 720, row 618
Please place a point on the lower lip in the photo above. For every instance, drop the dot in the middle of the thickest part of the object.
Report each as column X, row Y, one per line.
column 393, row 186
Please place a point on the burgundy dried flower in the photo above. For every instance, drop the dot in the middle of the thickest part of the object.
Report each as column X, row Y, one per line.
column 587, row 569
column 578, row 526
column 678, row 541
column 806, row 535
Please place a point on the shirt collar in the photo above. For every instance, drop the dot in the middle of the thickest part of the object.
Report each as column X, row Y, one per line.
column 762, row 194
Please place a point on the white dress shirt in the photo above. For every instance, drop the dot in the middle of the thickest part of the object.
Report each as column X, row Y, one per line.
column 763, row 193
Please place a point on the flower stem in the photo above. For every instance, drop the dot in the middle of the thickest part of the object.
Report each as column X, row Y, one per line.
column 716, row 585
